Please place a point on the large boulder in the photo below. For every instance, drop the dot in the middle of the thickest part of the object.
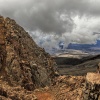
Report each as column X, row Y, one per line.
column 92, row 87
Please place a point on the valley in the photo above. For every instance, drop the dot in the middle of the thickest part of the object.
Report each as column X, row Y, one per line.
column 77, row 64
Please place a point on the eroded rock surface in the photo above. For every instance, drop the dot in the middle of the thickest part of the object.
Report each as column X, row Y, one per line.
column 92, row 87
column 22, row 62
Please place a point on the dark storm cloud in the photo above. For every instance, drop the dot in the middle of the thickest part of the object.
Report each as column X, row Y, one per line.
column 45, row 15
column 67, row 20
column 34, row 15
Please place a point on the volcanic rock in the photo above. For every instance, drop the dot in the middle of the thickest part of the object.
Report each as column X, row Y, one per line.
column 22, row 62
column 92, row 87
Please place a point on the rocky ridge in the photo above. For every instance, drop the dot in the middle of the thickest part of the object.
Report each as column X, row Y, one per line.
column 22, row 62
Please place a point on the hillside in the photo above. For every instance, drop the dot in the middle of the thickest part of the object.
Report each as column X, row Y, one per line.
column 22, row 61
column 77, row 66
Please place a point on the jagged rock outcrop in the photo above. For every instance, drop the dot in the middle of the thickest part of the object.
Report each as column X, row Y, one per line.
column 92, row 87
column 22, row 62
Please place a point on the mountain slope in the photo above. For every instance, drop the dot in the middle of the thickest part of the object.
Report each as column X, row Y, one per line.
column 22, row 62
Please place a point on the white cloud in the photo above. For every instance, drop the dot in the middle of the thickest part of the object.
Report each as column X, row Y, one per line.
column 52, row 21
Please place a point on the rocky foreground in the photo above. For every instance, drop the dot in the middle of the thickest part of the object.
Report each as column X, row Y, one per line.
column 92, row 87
column 27, row 72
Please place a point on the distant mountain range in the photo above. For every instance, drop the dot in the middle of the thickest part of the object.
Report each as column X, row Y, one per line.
column 72, row 47
column 85, row 47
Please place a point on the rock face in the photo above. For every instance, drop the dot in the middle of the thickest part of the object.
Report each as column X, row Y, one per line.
column 22, row 62
column 92, row 87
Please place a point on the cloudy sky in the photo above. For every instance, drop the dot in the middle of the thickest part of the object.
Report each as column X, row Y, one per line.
column 52, row 21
